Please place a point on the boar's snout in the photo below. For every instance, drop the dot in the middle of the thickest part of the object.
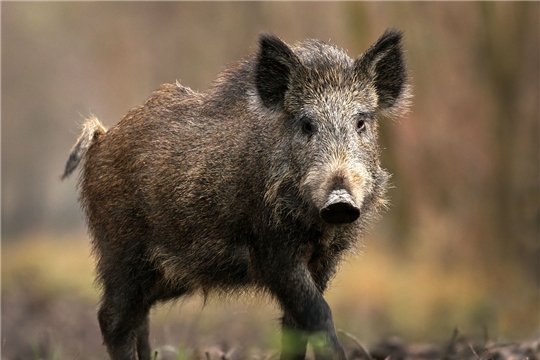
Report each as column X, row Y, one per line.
column 340, row 208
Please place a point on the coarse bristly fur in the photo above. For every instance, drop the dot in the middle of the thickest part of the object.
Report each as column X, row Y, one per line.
column 263, row 182
column 92, row 128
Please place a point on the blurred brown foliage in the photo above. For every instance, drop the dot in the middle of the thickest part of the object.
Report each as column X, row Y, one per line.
column 465, row 161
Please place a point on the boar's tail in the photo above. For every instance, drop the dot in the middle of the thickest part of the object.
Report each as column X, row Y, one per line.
column 92, row 129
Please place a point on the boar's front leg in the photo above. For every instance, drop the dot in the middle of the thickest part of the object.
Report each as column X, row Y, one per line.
column 309, row 314
column 294, row 340
column 306, row 313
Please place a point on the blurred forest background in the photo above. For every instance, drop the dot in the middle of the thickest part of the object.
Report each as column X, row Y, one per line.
column 459, row 247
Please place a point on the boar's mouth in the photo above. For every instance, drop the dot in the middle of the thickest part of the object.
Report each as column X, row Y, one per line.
column 340, row 208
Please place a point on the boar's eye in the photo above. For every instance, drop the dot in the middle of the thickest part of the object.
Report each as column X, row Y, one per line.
column 361, row 122
column 308, row 127
column 361, row 126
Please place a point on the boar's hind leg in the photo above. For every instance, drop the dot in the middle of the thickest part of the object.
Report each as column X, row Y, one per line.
column 123, row 319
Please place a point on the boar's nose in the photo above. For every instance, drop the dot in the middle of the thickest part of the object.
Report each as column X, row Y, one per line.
column 340, row 208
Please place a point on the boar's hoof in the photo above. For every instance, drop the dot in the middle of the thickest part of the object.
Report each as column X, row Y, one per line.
column 340, row 208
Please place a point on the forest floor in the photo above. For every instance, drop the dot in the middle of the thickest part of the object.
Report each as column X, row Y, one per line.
column 392, row 311
column 37, row 327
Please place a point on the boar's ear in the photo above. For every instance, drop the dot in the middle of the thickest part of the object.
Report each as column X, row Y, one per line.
column 384, row 66
column 275, row 63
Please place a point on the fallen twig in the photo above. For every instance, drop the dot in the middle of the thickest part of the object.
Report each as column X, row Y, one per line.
column 363, row 349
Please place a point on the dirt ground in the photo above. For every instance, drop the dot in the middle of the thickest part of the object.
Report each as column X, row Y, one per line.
column 62, row 327
column 49, row 306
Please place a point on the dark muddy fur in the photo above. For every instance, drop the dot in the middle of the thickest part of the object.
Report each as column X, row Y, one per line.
column 263, row 182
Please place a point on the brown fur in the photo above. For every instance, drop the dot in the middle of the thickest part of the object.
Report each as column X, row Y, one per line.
column 231, row 189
